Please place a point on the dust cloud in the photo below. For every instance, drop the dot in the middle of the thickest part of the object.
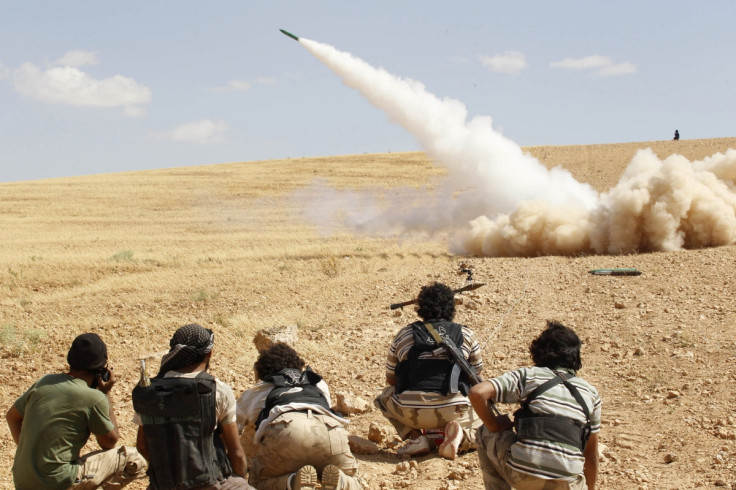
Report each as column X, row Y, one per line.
column 497, row 200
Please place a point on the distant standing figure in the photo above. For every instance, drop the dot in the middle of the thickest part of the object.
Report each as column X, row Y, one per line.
column 677, row 135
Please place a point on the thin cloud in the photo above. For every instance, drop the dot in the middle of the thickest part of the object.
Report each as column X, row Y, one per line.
column 241, row 85
column 200, row 132
column 78, row 58
column 510, row 62
column 458, row 60
column 134, row 111
column 233, row 86
column 620, row 69
column 589, row 62
column 66, row 84
column 598, row 64
column 266, row 80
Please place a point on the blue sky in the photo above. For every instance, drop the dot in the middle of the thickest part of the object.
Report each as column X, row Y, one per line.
column 90, row 87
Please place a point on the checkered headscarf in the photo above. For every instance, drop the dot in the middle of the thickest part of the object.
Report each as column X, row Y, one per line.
column 189, row 344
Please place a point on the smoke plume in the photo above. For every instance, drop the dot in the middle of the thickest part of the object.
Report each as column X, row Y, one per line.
column 497, row 200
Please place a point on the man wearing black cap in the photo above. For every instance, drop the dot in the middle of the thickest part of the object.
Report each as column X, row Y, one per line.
column 52, row 421
column 186, row 419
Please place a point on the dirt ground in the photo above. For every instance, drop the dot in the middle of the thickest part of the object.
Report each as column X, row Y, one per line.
column 133, row 256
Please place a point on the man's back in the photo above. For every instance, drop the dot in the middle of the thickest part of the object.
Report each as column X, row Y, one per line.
column 526, row 456
column 184, row 409
column 59, row 412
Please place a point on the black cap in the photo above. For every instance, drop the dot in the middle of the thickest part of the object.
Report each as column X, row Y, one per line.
column 88, row 352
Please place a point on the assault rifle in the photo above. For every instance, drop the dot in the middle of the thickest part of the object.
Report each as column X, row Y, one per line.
column 467, row 287
column 456, row 354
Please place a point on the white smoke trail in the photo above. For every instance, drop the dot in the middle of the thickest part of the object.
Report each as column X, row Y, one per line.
column 505, row 202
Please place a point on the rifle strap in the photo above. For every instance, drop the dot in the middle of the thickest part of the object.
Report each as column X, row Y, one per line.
column 433, row 332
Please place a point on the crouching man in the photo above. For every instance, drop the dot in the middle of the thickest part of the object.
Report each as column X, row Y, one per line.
column 298, row 436
column 426, row 389
column 186, row 420
column 553, row 441
column 52, row 421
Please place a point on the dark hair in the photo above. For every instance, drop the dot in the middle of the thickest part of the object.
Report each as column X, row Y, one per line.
column 556, row 346
column 277, row 357
column 436, row 302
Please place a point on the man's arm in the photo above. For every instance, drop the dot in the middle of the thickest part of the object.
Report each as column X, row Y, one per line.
column 235, row 452
column 140, row 442
column 15, row 422
column 109, row 440
column 481, row 396
column 590, row 467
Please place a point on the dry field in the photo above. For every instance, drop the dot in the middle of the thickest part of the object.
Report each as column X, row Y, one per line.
column 133, row 256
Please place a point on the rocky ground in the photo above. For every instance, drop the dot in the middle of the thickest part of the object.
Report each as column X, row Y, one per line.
column 134, row 256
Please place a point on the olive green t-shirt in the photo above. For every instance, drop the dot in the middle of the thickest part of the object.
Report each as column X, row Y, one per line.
column 59, row 413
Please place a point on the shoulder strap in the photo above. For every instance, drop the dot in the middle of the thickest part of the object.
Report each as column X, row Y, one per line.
column 559, row 378
column 542, row 388
column 433, row 332
column 579, row 399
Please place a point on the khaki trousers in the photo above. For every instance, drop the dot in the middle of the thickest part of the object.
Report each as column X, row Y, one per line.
column 114, row 468
column 405, row 419
column 297, row 439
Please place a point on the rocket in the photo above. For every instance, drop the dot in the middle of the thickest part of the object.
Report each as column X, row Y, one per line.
column 287, row 33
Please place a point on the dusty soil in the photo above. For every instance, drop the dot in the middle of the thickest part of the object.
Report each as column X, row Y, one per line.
column 133, row 256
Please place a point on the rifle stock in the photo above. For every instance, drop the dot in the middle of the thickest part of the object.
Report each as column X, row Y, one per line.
column 456, row 354
column 468, row 287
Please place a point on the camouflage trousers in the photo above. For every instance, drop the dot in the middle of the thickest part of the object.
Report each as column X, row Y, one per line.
column 114, row 468
column 297, row 439
column 426, row 410
column 493, row 453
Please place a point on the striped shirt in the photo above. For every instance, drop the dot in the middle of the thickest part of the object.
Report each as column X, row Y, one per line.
column 546, row 459
column 399, row 351
column 404, row 341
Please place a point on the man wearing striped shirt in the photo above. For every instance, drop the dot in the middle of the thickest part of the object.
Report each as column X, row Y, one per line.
column 425, row 389
column 562, row 457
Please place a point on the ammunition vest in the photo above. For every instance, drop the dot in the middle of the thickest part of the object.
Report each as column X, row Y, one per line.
column 293, row 386
column 179, row 424
column 555, row 428
column 435, row 375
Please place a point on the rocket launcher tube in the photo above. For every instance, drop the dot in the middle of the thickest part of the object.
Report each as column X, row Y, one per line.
column 469, row 287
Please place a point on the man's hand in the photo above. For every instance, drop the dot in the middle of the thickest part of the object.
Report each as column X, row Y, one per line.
column 481, row 396
column 109, row 440
column 235, row 452
column 140, row 443
column 106, row 386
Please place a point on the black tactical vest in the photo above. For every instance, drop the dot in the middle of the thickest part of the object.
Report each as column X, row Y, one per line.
column 555, row 428
column 179, row 424
column 436, row 375
column 293, row 386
